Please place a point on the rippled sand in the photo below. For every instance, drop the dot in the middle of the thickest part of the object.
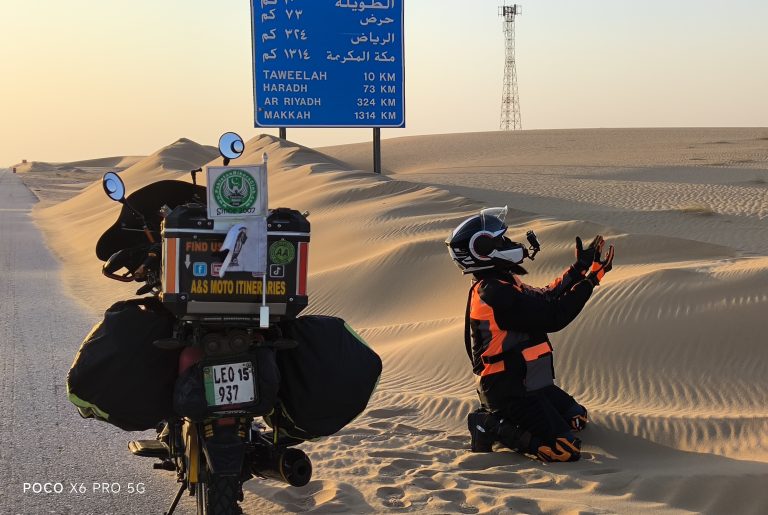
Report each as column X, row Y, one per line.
column 670, row 354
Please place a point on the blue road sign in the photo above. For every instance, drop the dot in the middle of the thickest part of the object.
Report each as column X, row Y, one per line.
column 328, row 63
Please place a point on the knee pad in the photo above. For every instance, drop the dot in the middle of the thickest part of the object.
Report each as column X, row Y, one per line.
column 488, row 427
column 482, row 425
column 577, row 417
column 562, row 448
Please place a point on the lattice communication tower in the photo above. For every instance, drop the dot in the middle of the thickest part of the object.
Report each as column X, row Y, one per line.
column 510, row 103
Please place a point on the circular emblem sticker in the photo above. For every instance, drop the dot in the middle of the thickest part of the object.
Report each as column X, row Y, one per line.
column 282, row 252
column 235, row 191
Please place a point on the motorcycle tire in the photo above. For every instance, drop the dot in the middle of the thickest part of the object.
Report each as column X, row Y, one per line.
column 201, row 496
column 219, row 496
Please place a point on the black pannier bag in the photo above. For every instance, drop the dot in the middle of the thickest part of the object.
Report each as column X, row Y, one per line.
column 189, row 398
column 118, row 375
column 327, row 380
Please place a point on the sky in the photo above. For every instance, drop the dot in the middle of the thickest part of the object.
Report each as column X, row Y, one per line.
column 84, row 79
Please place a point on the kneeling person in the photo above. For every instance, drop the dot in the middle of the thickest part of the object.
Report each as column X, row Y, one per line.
column 506, row 328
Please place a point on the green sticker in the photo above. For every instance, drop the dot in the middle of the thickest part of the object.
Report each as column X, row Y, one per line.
column 282, row 252
column 236, row 191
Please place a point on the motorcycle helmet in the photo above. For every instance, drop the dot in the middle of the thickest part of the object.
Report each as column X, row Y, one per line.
column 478, row 243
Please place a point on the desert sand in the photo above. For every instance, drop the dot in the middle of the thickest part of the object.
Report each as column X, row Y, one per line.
column 54, row 182
column 670, row 355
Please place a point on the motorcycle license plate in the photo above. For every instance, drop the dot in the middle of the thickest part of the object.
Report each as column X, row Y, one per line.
column 229, row 383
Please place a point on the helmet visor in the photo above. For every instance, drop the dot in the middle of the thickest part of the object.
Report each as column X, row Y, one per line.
column 496, row 212
column 513, row 254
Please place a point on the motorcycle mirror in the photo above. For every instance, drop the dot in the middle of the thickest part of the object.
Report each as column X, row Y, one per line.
column 231, row 145
column 113, row 186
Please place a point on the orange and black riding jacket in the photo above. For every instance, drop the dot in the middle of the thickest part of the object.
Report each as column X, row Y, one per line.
column 507, row 323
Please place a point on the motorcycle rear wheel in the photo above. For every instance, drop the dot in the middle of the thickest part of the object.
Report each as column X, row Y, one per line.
column 201, row 496
column 223, row 493
column 218, row 495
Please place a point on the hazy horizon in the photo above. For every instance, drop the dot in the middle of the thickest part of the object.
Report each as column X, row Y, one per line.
column 87, row 80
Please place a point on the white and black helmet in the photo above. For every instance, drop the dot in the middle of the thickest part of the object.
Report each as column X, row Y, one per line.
column 478, row 243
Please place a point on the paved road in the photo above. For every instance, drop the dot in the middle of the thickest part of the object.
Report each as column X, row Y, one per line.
column 42, row 438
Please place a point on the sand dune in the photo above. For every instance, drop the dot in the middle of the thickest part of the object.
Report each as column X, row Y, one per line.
column 73, row 226
column 55, row 182
column 739, row 147
column 669, row 354
column 120, row 162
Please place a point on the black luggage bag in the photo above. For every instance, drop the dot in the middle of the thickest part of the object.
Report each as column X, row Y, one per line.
column 118, row 375
column 327, row 380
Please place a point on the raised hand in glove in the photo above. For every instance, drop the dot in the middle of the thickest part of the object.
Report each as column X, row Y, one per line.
column 601, row 267
column 586, row 256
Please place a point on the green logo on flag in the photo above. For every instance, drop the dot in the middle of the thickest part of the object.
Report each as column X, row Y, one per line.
column 235, row 191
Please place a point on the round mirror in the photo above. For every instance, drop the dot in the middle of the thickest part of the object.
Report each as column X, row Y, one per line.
column 113, row 186
column 231, row 145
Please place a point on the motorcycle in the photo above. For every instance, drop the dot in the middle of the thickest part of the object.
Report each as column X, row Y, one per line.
column 229, row 429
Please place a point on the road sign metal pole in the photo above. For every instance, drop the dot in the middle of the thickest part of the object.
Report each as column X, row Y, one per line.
column 283, row 132
column 377, row 150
